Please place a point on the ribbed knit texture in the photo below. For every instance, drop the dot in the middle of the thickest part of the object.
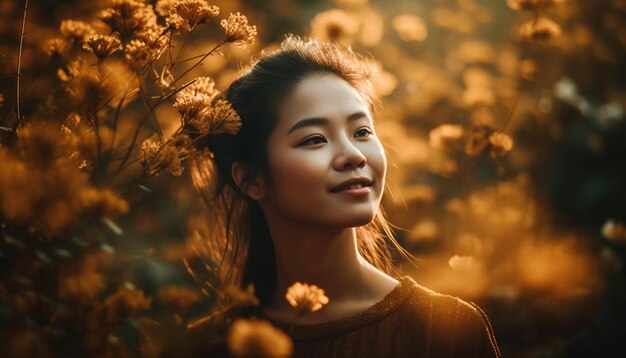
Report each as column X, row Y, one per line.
column 411, row 321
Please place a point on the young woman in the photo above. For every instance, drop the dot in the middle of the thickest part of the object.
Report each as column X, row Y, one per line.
column 299, row 190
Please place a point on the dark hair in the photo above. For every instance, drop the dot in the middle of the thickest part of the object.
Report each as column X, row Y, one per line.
column 255, row 96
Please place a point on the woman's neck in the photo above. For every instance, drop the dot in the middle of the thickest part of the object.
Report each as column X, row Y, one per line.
column 328, row 258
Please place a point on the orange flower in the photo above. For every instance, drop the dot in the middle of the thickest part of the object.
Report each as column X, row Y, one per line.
column 334, row 25
column 57, row 46
column 501, row 143
column 476, row 140
column 102, row 45
column 257, row 338
column 219, row 118
column 192, row 13
column 156, row 156
column 305, row 298
column 237, row 30
column 445, row 136
column 76, row 31
column 541, row 29
column 410, row 27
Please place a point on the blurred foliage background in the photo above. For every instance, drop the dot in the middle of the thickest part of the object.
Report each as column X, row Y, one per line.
column 504, row 125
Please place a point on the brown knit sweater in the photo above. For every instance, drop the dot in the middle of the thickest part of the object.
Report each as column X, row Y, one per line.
column 411, row 321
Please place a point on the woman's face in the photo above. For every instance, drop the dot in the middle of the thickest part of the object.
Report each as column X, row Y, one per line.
column 324, row 136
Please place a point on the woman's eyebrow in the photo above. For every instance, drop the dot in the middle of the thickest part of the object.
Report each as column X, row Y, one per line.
column 320, row 121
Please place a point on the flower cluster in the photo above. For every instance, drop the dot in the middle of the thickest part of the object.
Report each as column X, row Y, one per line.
column 237, row 30
column 156, row 156
column 190, row 13
column 128, row 17
column 410, row 27
column 199, row 107
column 196, row 98
column 540, row 29
column 306, row 298
column 102, row 45
column 257, row 338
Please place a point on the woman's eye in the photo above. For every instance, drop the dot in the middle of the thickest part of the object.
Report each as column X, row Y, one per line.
column 314, row 140
column 364, row 132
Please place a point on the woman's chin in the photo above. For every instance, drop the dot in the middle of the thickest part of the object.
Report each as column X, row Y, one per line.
column 356, row 220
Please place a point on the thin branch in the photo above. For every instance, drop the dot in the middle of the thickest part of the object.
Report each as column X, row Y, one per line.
column 138, row 129
column 19, row 74
column 200, row 61
column 182, row 47
column 146, row 102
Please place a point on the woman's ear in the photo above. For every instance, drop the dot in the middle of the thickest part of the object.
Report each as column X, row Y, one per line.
column 255, row 189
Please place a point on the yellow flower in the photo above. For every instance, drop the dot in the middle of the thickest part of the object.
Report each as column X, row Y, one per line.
column 102, row 203
column 77, row 31
column 155, row 156
column 541, row 29
column 305, row 298
column 529, row 69
column 139, row 53
column 102, row 45
column 501, row 143
column 128, row 17
column 464, row 263
column 257, row 338
column 445, row 136
column 193, row 12
column 57, row 46
column 220, row 118
column 410, row 27
column 163, row 7
column 196, row 97
column 334, row 25
column 237, row 30
column 476, row 140
column 424, row 231
column 477, row 96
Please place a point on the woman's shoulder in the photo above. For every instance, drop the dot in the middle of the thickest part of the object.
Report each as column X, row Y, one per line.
column 448, row 319
column 446, row 306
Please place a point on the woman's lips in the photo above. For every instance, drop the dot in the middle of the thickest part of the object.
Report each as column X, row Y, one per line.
column 358, row 192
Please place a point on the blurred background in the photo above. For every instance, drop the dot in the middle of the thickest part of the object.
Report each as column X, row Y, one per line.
column 504, row 125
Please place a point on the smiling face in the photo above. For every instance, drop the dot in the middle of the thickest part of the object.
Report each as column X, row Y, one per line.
column 324, row 136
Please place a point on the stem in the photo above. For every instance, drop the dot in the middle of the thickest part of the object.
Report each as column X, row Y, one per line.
column 19, row 74
column 200, row 61
column 182, row 47
column 138, row 129
column 146, row 102
column 118, row 109
column 509, row 114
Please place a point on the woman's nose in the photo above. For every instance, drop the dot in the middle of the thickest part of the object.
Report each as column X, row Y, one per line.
column 349, row 157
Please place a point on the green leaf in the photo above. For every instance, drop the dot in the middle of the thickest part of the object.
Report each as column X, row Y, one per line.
column 113, row 226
